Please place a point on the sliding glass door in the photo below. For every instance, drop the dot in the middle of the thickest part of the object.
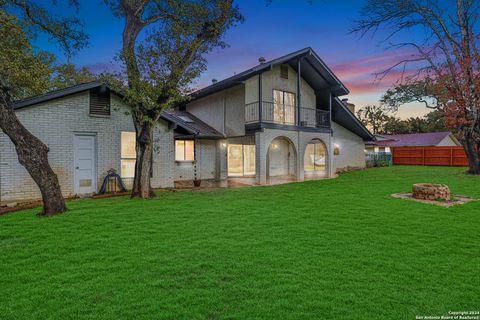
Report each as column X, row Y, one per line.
column 241, row 160
column 315, row 157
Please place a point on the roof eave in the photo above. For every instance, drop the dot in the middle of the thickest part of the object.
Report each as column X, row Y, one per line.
column 344, row 90
column 57, row 94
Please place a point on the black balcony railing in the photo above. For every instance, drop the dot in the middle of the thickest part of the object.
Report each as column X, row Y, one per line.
column 285, row 114
column 323, row 119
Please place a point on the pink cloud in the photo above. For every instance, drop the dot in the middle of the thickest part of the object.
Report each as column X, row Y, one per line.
column 367, row 85
column 359, row 75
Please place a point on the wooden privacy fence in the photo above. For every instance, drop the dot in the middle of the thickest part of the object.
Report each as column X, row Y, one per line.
column 430, row 156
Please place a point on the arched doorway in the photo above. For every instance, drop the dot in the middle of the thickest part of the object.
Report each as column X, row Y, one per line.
column 315, row 161
column 281, row 160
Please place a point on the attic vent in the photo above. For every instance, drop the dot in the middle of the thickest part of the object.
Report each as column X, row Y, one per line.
column 284, row 71
column 100, row 102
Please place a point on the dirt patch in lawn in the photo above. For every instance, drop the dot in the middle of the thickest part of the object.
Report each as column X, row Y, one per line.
column 20, row 206
column 455, row 200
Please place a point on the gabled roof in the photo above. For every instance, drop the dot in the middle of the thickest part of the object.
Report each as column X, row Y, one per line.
column 314, row 71
column 193, row 126
column 430, row 139
column 56, row 94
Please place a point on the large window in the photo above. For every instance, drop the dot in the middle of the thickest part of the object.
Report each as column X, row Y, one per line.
column 184, row 150
column 241, row 160
column 283, row 107
column 128, row 155
column 315, row 157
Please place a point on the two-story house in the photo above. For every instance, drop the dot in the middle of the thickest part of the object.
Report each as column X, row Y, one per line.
column 279, row 121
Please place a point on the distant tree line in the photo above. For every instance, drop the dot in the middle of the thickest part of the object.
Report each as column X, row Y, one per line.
column 380, row 120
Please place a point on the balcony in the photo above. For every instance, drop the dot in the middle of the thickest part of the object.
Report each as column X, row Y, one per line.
column 285, row 115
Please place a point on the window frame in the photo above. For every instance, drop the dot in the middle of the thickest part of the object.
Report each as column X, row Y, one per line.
column 185, row 150
column 243, row 174
column 122, row 158
column 325, row 153
column 283, row 105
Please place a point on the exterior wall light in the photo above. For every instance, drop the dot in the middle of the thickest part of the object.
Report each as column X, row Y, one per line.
column 336, row 150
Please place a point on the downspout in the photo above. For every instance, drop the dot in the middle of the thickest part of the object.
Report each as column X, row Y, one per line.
column 195, row 157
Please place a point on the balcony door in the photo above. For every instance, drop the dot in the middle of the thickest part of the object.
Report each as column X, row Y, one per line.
column 283, row 107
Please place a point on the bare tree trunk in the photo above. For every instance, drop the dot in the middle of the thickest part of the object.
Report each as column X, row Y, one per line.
column 33, row 155
column 142, row 187
column 472, row 150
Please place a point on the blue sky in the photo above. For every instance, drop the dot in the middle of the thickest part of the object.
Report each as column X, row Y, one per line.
column 268, row 31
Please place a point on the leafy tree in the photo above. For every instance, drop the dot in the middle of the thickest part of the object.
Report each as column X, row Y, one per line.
column 435, row 121
column 415, row 125
column 160, row 66
column 374, row 117
column 412, row 90
column 395, row 125
column 449, row 54
column 25, row 71
column 68, row 75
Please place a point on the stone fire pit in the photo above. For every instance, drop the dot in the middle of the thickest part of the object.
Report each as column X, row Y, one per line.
column 430, row 191
column 437, row 194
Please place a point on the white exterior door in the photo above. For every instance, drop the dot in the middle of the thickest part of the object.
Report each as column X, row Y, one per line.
column 85, row 178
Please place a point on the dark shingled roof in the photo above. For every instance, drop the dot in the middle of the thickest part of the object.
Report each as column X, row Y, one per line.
column 430, row 139
column 193, row 126
column 56, row 94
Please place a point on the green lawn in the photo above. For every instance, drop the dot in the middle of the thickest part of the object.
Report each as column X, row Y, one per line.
column 331, row 249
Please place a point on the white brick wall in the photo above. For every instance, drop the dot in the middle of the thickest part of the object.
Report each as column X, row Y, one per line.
column 351, row 147
column 55, row 123
column 206, row 163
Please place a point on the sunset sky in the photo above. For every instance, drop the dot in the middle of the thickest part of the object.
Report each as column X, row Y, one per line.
column 270, row 31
